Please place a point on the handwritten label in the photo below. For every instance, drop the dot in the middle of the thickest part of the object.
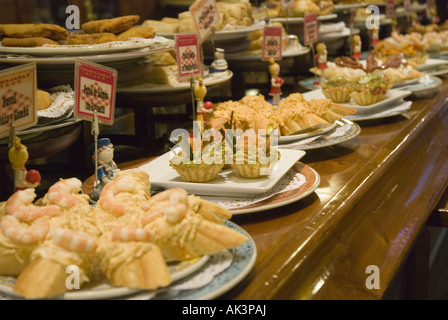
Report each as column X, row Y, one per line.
column 95, row 90
column 205, row 16
column 188, row 58
column 390, row 9
column 272, row 43
column 18, row 87
column 311, row 29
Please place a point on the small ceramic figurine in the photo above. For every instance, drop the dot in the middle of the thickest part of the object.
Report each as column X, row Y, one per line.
column 18, row 156
column 219, row 64
column 203, row 109
column 276, row 82
column 374, row 37
column 356, row 47
column 107, row 168
column 321, row 58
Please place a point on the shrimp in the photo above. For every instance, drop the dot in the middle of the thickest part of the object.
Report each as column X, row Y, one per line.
column 174, row 196
column 173, row 213
column 15, row 231
column 20, row 206
column 63, row 193
column 74, row 241
column 125, row 234
column 107, row 197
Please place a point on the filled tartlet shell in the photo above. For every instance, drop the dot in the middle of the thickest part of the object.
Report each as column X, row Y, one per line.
column 366, row 99
column 337, row 94
column 198, row 174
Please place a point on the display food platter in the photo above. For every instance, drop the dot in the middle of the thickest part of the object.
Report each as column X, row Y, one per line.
column 424, row 84
column 294, row 49
column 239, row 32
column 227, row 183
column 297, row 184
column 345, row 130
column 148, row 88
column 203, row 278
column 310, row 132
column 432, row 65
column 301, row 20
column 104, row 290
column 392, row 96
column 395, row 109
column 136, row 44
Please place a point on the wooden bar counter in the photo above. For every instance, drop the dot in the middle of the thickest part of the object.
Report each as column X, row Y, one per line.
column 375, row 196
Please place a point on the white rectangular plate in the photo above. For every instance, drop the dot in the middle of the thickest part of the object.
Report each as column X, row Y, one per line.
column 162, row 175
column 431, row 63
column 392, row 96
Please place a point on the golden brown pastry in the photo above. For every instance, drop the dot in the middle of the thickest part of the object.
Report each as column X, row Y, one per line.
column 114, row 25
column 43, row 30
column 92, row 38
column 43, row 100
column 137, row 32
column 28, row 42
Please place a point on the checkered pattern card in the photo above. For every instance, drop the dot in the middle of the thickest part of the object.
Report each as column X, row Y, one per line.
column 188, row 56
column 18, row 87
column 272, row 43
column 205, row 16
column 95, row 89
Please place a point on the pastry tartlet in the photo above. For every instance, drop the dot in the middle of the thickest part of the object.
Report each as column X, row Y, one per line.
column 202, row 164
column 337, row 89
column 254, row 157
column 370, row 89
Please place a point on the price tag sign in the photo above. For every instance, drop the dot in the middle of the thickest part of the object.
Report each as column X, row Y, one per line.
column 95, row 90
column 18, row 87
column 407, row 7
column 205, row 15
column 311, row 29
column 272, row 43
column 390, row 9
column 188, row 57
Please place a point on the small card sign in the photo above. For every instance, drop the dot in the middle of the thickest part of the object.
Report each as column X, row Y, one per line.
column 390, row 9
column 407, row 7
column 95, row 90
column 205, row 16
column 272, row 43
column 311, row 29
column 18, row 87
column 188, row 57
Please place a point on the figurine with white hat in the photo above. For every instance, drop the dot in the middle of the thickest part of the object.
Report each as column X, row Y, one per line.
column 106, row 167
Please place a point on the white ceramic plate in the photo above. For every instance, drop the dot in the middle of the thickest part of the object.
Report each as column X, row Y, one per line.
column 209, row 80
column 278, row 199
column 300, row 136
column 431, row 64
column 225, row 35
column 392, row 111
column 423, row 84
column 392, row 96
column 88, row 50
column 103, row 290
column 162, row 175
column 295, row 20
